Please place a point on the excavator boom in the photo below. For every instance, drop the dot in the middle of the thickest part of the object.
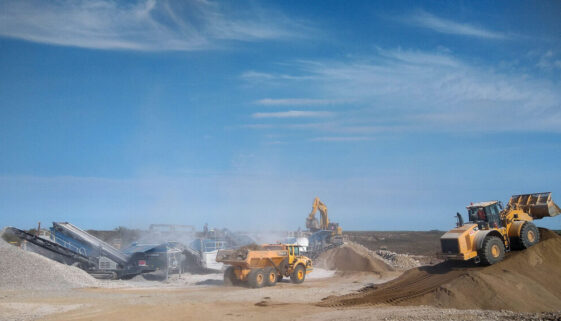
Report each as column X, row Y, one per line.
column 311, row 222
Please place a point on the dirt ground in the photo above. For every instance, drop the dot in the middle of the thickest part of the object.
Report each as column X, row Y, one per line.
column 205, row 298
column 525, row 281
column 348, row 294
column 422, row 245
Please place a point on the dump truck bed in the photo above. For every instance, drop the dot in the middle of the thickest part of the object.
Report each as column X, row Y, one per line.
column 251, row 258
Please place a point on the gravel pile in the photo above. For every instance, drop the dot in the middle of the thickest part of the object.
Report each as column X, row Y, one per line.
column 352, row 257
column 20, row 269
column 398, row 261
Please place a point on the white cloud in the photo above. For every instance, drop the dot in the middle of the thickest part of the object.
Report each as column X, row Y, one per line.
column 341, row 139
column 141, row 25
column 296, row 102
column 293, row 114
column 407, row 90
column 430, row 21
column 549, row 61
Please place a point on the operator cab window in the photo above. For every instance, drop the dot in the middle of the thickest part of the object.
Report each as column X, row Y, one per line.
column 477, row 214
column 296, row 250
column 493, row 215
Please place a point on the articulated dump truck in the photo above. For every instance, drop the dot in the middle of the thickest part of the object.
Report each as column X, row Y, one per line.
column 264, row 265
column 493, row 230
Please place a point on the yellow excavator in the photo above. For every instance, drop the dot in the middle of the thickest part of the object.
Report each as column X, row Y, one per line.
column 325, row 234
column 493, row 230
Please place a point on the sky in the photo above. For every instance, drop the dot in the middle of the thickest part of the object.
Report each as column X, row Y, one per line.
column 238, row 113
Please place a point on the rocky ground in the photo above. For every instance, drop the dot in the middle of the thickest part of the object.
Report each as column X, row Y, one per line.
column 35, row 288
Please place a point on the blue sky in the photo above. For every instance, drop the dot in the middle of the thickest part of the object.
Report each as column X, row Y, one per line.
column 396, row 115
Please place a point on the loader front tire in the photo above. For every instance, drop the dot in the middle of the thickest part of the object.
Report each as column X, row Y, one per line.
column 492, row 251
column 270, row 276
column 256, row 278
column 298, row 275
column 529, row 235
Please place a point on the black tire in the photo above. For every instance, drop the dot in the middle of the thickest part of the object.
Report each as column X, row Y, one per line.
column 529, row 235
column 256, row 278
column 298, row 275
column 270, row 276
column 229, row 276
column 279, row 278
column 492, row 251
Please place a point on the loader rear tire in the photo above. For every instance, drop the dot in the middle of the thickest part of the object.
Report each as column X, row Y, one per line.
column 256, row 278
column 270, row 276
column 529, row 235
column 492, row 251
column 229, row 277
column 298, row 275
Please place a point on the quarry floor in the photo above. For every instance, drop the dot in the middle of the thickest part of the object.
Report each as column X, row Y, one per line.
column 203, row 297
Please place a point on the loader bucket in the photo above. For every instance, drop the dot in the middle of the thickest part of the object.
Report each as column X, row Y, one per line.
column 538, row 205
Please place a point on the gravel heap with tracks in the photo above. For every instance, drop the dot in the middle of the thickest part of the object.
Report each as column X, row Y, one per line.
column 526, row 281
column 25, row 270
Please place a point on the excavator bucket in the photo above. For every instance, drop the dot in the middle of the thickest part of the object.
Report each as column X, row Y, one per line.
column 538, row 205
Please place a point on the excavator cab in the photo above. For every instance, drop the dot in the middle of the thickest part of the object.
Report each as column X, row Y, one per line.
column 486, row 215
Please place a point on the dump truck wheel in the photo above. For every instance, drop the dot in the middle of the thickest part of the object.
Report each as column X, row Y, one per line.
column 529, row 235
column 256, row 278
column 229, row 276
column 492, row 251
column 298, row 275
column 270, row 276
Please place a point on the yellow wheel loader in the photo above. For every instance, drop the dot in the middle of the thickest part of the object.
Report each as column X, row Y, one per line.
column 264, row 266
column 493, row 230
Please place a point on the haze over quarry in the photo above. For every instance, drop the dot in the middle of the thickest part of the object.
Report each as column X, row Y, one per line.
column 397, row 115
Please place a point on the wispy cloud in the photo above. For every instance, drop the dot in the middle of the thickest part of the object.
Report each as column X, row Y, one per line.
column 296, row 102
column 293, row 114
column 442, row 25
column 408, row 90
column 141, row 25
column 342, row 139
column 549, row 61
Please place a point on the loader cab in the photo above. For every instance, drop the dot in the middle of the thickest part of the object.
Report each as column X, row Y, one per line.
column 485, row 214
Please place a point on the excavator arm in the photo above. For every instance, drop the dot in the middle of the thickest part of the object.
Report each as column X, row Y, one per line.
column 311, row 221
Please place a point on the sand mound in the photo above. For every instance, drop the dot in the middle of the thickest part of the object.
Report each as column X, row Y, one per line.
column 352, row 257
column 526, row 281
column 20, row 269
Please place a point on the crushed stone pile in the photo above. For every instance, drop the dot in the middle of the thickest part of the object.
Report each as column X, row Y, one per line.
column 23, row 270
column 398, row 261
column 526, row 281
column 353, row 257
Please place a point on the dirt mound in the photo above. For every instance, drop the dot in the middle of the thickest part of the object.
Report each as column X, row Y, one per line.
column 20, row 269
column 353, row 258
column 526, row 281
